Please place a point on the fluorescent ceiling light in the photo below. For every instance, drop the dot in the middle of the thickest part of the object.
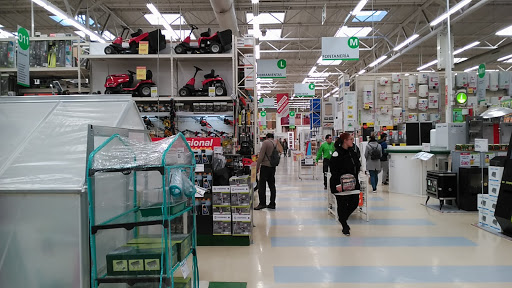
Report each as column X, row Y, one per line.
column 313, row 69
column 407, row 41
column 328, row 62
column 427, row 65
column 505, row 32
column 255, row 1
column 272, row 34
column 319, row 75
column 370, row 16
column 5, row 34
column 508, row 61
column 160, row 19
column 505, row 58
column 62, row 15
column 257, row 53
column 458, row 60
column 407, row 74
column 346, row 31
column 172, row 19
column 266, row 18
column 80, row 33
column 450, row 12
column 259, row 80
column 380, row 59
column 361, row 72
column 309, row 80
column 359, row 7
column 471, row 69
column 469, row 46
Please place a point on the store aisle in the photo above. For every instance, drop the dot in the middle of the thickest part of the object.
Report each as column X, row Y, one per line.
column 403, row 245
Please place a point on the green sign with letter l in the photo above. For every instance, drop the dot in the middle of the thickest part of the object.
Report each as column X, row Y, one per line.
column 271, row 68
column 22, row 58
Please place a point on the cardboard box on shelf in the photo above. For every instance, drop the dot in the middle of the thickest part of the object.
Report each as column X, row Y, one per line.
column 482, row 218
column 242, row 228
column 491, row 204
column 480, row 201
column 221, row 220
column 221, row 195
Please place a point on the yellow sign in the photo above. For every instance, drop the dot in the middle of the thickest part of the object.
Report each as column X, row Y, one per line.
column 471, row 91
column 350, row 107
column 370, row 124
column 350, row 116
column 389, row 127
column 143, row 47
column 366, row 106
column 403, row 144
column 141, row 72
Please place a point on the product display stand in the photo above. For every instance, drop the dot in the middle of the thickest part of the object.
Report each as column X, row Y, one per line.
column 151, row 181
column 332, row 205
column 308, row 162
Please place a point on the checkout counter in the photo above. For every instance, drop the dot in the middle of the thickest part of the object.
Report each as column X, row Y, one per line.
column 407, row 175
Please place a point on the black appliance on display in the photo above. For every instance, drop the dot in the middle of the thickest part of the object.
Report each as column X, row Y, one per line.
column 441, row 185
column 470, row 185
column 417, row 133
column 503, row 211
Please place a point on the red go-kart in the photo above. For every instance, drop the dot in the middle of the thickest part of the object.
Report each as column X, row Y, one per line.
column 216, row 43
column 122, row 83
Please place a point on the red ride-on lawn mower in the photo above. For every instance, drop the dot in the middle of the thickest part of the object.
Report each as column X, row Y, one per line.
column 155, row 39
column 211, row 80
column 216, row 43
column 122, row 83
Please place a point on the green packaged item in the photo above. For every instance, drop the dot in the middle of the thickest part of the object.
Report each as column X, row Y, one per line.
column 156, row 209
column 184, row 243
column 138, row 260
column 179, row 282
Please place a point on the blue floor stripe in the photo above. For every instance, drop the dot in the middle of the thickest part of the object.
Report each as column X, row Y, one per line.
column 371, row 242
column 376, row 198
column 326, row 222
column 324, row 208
column 393, row 274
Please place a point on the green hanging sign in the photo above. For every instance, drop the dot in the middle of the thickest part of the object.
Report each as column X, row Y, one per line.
column 462, row 98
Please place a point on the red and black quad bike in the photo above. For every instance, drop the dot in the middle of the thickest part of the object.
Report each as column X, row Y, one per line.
column 155, row 39
column 122, row 83
column 211, row 80
column 207, row 43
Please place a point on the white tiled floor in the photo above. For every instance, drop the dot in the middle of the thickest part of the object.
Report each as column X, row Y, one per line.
column 369, row 258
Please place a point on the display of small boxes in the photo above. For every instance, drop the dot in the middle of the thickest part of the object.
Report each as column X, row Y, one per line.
column 240, row 180
column 494, row 187
column 495, row 173
column 240, row 195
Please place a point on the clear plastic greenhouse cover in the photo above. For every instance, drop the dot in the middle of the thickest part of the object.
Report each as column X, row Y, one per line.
column 122, row 152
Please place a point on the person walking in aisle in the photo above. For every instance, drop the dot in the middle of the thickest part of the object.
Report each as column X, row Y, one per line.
column 267, row 171
column 285, row 147
column 345, row 162
column 384, row 159
column 372, row 154
column 324, row 152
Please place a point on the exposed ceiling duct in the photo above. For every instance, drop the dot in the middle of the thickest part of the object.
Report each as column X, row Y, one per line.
column 225, row 14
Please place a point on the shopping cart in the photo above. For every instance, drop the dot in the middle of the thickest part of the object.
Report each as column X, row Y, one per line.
column 332, row 205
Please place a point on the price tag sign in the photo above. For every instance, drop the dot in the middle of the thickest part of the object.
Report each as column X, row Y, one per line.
column 481, row 145
column 141, row 72
column 154, row 91
column 211, row 91
column 308, row 161
column 426, row 147
column 184, row 269
column 143, row 47
column 199, row 167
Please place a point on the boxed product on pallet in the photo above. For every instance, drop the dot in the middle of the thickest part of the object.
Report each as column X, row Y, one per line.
column 221, row 220
column 240, row 180
column 242, row 227
column 138, row 259
column 221, row 195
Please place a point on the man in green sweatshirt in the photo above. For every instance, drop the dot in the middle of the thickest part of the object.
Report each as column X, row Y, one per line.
column 324, row 152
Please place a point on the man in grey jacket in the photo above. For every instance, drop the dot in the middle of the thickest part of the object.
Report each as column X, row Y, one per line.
column 373, row 153
column 267, row 172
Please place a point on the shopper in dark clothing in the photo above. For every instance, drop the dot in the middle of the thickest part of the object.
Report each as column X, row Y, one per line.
column 345, row 160
column 372, row 154
column 267, row 173
column 285, row 148
column 384, row 159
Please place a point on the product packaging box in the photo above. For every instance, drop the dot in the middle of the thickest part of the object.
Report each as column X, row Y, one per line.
column 481, row 202
column 221, row 220
column 491, row 203
column 241, row 195
column 242, row 228
column 482, row 218
column 221, row 195
column 494, row 188
column 137, row 260
column 240, row 180
column 495, row 173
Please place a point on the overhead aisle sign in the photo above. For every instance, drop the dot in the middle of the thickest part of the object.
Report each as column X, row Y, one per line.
column 304, row 90
column 22, row 59
column 271, row 69
column 267, row 103
column 340, row 48
column 481, row 85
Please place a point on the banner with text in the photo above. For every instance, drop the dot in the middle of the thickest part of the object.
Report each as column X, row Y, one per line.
column 304, row 90
column 282, row 105
column 22, row 59
column 271, row 68
column 340, row 48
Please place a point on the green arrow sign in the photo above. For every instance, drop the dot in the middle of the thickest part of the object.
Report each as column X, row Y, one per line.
column 292, row 113
column 263, row 113
column 312, row 86
column 481, row 71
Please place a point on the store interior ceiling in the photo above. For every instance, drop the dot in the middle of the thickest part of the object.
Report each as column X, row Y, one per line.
column 292, row 30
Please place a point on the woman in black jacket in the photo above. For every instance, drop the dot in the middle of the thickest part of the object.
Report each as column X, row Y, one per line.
column 344, row 161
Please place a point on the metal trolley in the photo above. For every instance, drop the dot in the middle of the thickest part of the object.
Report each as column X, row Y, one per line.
column 332, row 205
column 309, row 163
